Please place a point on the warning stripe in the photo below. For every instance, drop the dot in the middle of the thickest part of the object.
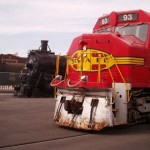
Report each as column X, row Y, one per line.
column 129, row 60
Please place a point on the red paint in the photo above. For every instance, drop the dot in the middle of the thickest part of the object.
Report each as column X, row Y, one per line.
column 116, row 45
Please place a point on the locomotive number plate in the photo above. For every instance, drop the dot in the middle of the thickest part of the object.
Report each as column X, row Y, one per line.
column 128, row 17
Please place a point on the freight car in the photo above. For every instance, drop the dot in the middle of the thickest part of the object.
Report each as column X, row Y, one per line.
column 10, row 67
column 39, row 71
column 108, row 74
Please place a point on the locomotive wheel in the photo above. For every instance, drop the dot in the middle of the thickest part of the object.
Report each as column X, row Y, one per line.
column 133, row 116
column 29, row 93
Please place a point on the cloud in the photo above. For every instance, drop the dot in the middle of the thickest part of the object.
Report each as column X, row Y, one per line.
column 37, row 16
column 19, row 16
column 22, row 21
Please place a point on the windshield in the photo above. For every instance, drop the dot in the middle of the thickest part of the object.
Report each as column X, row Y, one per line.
column 137, row 30
column 103, row 30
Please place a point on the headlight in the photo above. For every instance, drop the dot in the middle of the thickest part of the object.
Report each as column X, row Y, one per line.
column 84, row 48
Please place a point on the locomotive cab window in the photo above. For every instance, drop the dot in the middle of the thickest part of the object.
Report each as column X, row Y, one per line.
column 103, row 30
column 137, row 30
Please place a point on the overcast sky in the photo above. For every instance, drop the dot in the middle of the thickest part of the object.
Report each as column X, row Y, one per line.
column 24, row 23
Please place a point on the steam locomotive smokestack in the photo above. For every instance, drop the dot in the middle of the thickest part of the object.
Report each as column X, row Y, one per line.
column 44, row 45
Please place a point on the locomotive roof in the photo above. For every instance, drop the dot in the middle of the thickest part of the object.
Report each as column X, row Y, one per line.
column 122, row 17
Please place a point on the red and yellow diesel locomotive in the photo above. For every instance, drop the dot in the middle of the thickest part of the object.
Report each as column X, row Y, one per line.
column 107, row 79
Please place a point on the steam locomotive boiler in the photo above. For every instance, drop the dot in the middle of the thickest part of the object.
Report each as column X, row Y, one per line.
column 108, row 74
column 40, row 70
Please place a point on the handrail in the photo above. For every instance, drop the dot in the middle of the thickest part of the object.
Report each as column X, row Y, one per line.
column 67, row 65
column 73, row 84
column 57, row 65
column 114, row 93
column 99, row 67
column 129, row 97
column 124, row 82
column 56, row 83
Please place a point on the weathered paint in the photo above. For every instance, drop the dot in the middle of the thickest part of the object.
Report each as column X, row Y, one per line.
column 102, row 114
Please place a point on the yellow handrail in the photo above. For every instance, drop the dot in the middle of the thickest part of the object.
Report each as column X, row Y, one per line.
column 67, row 65
column 57, row 65
column 57, row 71
column 127, row 89
column 115, row 92
column 99, row 67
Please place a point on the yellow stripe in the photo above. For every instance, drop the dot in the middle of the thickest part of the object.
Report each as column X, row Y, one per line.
column 129, row 60
column 84, row 60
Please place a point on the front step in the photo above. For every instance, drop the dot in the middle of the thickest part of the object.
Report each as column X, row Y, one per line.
column 115, row 110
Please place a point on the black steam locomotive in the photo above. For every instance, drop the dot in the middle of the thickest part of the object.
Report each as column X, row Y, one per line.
column 39, row 71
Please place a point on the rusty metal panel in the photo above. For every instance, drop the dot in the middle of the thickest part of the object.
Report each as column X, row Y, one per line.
column 96, row 113
column 121, row 102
